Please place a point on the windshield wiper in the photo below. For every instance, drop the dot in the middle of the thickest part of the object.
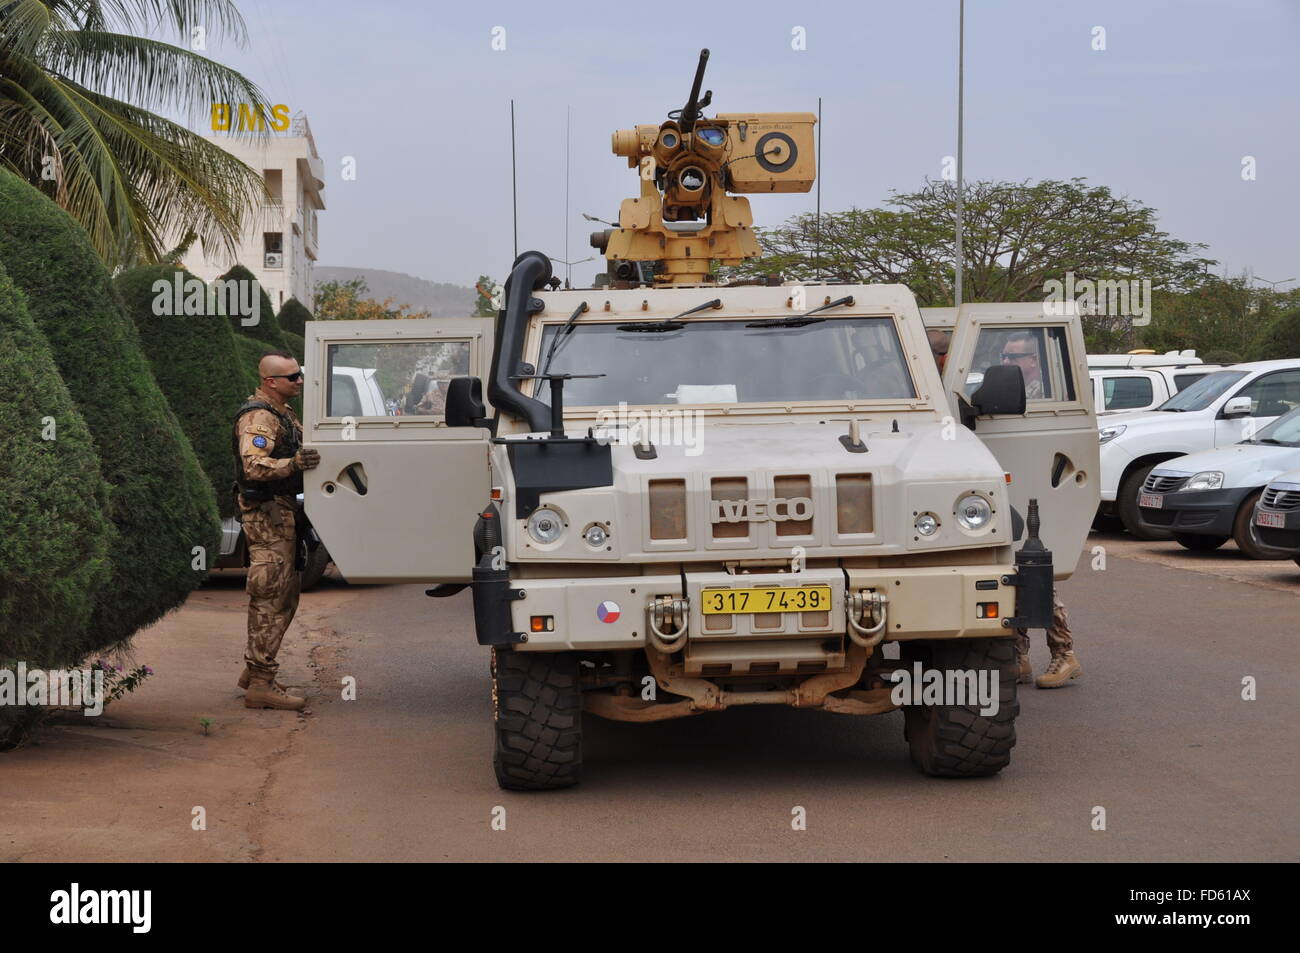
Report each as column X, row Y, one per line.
column 1273, row 440
column 802, row 320
column 562, row 335
column 672, row 324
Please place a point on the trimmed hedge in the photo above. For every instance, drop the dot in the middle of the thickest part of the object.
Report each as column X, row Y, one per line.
column 267, row 329
column 54, row 537
column 297, row 346
column 161, row 502
column 293, row 317
column 1280, row 339
column 198, row 366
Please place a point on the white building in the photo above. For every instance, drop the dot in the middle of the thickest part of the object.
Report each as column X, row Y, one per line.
column 279, row 244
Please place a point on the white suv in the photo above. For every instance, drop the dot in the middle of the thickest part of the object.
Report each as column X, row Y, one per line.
column 1220, row 409
column 1119, row 389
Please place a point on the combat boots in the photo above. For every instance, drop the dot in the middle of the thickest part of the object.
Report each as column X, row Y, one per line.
column 1060, row 670
column 264, row 693
column 1025, row 675
column 248, row 673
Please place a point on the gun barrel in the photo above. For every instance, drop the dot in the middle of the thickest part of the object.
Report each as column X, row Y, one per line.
column 691, row 111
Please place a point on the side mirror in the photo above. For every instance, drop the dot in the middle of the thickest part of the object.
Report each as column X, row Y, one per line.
column 1002, row 391
column 465, row 406
column 1236, row 406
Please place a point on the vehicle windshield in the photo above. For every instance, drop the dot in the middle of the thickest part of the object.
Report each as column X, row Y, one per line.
column 1204, row 392
column 1285, row 431
column 724, row 362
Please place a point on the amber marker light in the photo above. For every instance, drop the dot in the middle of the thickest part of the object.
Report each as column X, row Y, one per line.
column 984, row 610
column 546, row 623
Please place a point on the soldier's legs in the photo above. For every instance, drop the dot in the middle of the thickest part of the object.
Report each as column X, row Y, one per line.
column 1059, row 638
column 272, row 584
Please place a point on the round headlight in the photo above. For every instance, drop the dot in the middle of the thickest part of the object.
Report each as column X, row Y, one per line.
column 545, row 525
column 595, row 535
column 927, row 524
column 973, row 512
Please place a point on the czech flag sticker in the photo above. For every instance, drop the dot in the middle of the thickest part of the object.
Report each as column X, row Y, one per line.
column 608, row 611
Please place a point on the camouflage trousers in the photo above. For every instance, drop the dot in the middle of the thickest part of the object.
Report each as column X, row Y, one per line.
column 272, row 580
column 1059, row 638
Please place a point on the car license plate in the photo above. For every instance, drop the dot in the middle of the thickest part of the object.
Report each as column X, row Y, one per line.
column 766, row 599
column 1151, row 501
column 1274, row 520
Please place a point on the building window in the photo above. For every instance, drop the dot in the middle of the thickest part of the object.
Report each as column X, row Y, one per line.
column 273, row 250
column 274, row 179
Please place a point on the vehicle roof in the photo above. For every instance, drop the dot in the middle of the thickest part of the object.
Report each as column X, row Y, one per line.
column 1264, row 365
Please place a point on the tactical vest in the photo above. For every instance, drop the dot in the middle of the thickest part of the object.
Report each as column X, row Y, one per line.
column 259, row 491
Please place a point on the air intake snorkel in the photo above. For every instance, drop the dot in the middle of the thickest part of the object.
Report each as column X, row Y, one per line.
column 530, row 272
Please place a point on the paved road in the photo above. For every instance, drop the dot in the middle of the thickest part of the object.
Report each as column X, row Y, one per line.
column 1156, row 733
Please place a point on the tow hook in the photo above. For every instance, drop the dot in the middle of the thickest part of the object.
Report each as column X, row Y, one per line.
column 866, row 603
column 666, row 618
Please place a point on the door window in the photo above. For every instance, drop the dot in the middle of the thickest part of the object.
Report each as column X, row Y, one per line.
column 1127, row 393
column 394, row 379
column 1273, row 395
column 1042, row 355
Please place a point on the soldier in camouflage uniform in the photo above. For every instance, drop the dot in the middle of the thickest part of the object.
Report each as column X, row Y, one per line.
column 269, row 459
column 1063, row 666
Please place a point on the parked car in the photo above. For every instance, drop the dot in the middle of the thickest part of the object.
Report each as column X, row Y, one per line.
column 1219, row 410
column 1207, row 498
column 1118, row 389
column 1277, row 516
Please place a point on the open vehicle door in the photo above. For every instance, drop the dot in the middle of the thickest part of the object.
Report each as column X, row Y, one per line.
column 397, row 491
column 1051, row 450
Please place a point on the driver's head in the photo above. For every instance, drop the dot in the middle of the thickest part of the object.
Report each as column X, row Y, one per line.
column 938, row 346
column 1021, row 350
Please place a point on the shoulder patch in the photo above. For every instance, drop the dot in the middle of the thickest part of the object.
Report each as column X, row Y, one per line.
column 259, row 441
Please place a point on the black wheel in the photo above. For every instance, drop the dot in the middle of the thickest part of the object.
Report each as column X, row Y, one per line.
column 537, row 708
column 1127, row 505
column 1246, row 535
column 317, row 563
column 1200, row 544
column 1104, row 523
column 956, row 741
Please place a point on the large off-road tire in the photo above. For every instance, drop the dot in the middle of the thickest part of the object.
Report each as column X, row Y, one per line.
column 537, row 709
column 1198, row 543
column 314, row 571
column 1126, row 503
column 956, row 741
column 1246, row 536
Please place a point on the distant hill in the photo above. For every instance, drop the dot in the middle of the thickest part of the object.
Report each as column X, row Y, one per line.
column 440, row 300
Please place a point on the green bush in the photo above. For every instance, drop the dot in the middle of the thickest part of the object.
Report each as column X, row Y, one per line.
column 296, row 346
column 1280, row 339
column 267, row 329
column 293, row 317
column 54, row 538
column 161, row 502
column 1221, row 356
column 198, row 366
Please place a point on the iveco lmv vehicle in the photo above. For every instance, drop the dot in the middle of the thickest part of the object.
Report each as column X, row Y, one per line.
column 671, row 495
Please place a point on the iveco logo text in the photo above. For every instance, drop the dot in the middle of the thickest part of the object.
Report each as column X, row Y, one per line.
column 757, row 511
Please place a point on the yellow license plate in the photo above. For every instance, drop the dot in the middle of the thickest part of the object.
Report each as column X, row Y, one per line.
column 768, row 599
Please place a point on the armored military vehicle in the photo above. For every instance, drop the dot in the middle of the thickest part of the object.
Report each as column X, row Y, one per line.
column 671, row 495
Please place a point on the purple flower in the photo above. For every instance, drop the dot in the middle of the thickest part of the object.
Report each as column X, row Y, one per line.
column 148, row 670
column 117, row 668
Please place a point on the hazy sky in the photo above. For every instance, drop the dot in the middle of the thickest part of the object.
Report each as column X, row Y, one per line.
column 414, row 91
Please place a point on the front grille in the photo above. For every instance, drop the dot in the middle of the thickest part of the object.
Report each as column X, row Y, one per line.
column 1284, row 500
column 1164, row 484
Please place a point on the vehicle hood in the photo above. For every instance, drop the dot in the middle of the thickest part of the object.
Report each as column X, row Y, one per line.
column 1241, row 464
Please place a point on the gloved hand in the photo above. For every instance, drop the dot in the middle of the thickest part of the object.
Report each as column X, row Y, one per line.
column 306, row 458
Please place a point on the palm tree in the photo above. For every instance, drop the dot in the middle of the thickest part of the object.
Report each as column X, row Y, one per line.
column 77, row 90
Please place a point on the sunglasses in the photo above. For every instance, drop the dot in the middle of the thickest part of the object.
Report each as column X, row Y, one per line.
column 295, row 377
column 1015, row 355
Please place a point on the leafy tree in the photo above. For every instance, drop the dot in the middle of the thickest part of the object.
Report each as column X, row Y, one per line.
column 76, row 94
column 161, row 503
column 1216, row 314
column 348, row 301
column 1017, row 236
column 1280, row 339
column 198, row 366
